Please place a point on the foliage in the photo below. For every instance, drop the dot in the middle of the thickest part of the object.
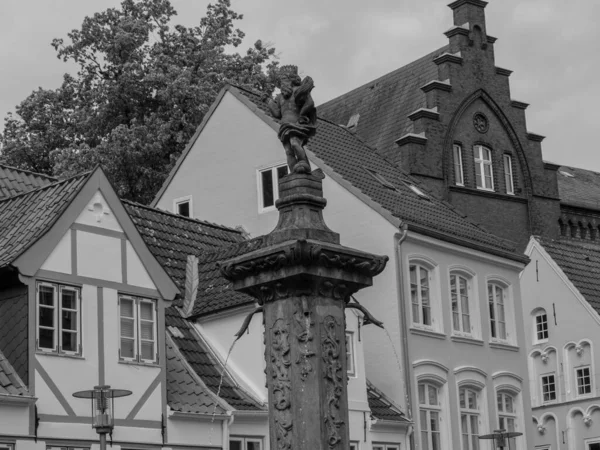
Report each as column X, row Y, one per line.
column 142, row 88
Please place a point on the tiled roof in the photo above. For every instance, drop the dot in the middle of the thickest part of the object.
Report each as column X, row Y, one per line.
column 10, row 382
column 171, row 237
column 385, row 103
column 580, row 261
column 14, row 329
column 382, row 407
column 579, row 187
column 184, row 392
column 359, row 165
column 16, row 181
column 24, row 218
column 201, row 360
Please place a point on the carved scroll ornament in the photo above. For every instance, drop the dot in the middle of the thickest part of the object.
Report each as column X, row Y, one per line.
column 330, row 344
column 281, row 385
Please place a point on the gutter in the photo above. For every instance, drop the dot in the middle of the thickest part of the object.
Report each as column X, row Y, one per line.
column 17, row 399
column 199, row 416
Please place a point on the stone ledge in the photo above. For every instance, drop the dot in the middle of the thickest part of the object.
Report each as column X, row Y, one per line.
column 466, row 340
column 518, row 104
column 503, row 346
column 535, row 137
column 411, row 138
column 427, row 333
column 505, row 72
column 437, row 85
column 454, row 58
column 425, row 113
column 483, row 193
column 458, row 3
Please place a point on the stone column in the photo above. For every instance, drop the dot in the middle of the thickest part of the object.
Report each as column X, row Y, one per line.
column 303, row 278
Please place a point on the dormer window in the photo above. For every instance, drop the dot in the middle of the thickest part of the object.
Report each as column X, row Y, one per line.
column 183, row 206
column 484, row 177
column 58, row 319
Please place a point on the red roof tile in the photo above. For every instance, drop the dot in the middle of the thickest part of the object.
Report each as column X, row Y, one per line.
column 24, row 218
column 16, row 181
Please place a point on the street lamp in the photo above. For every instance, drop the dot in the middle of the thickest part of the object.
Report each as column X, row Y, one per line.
column 103, row 406
column 501, row 437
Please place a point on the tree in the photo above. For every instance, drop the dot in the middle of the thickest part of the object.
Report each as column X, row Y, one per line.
column 142, row 88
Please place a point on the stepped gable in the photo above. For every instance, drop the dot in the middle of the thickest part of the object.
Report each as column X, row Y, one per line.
column 185, row 392
column 171, row 237
column 382, row 408
column 202, row 361
column 10, row 382
column 24, row 218
column 579, row 187
column 580, row 261
column 15, row 181
column 390, row 187
column 385, row 103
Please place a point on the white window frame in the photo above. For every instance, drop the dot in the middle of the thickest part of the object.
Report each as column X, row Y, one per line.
column 537, row 329
column 275, row 181
column 6, row 446
column 350, row 354
column 494, row 307
column 481, row 162
column 354, row 445
column 57, row 347
column 429, row 409
column 380, row 446
column 181, row 200
column 459, row 174
column 137, row 321
column 469, row 413
column 508, row 174
column 506, row 415
column 458, row 276
column 542, row 384
column 419, row 321
column 591, row 378
column 244, row 440
column 588, row 443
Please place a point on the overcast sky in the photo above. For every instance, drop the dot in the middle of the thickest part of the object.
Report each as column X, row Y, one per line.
column 553, row 47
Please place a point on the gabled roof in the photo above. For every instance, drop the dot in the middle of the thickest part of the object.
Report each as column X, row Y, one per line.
column 10, row 382
column 579, row 187
column 382, row 408
column 185, row 391
column 355, row 165
column 200, row 358
column 384, row 104
column 580, row 261
column 24, row 218
column 17, row 181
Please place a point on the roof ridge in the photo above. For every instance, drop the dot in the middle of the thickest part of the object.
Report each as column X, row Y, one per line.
column 179, row 216
column 37, row 174
column 48, row 186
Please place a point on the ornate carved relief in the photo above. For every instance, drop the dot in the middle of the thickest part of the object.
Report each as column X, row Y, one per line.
column 304, row 324
column 294, row 288
column 330, row 345
column 281, row 385
column 587, row 420
column 481, row 122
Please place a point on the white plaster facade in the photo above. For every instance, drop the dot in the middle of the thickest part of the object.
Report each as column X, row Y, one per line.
column 220, row 172
column 570, row 420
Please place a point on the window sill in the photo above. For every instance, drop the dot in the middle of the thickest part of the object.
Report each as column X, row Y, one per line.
column 485, row 193
column 466, row 340
column 427, row 333
column 136, row 363
column 504, row 346
column 59, row 355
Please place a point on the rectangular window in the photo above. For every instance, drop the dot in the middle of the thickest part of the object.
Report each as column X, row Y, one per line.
column 4, row 446
column 137, row 329
column 508, row 175
column 484, row 177
column 497, row 311
column 507, row 414
column 350, row 354
column 541, row 326
column 584, row 380
column 379, row 446
column 458, row 165
column 548, row 388
column 268, row 181
column 429, row 416
column 58, row 318
column 183, row 206
column 354, row 445
column 459, row 296
column 419, row 293
column 469, row 418
column 245, row 443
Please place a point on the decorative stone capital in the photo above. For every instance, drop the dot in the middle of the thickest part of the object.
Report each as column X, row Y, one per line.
column 541, row 429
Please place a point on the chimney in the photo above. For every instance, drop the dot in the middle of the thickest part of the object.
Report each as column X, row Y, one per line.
column 469, row 12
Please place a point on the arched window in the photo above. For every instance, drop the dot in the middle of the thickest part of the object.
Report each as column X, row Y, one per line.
column 420, row 294
column 469, row 418
column 507, row 413
column 497, row 304
column 541, row 325
column 459, row 296
column 484, row 176
column 429, row 416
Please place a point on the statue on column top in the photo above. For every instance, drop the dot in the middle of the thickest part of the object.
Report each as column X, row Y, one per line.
column 296, row 109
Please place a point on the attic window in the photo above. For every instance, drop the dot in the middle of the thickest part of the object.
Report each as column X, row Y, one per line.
column 566, row 174
column 353, row 121
column 385, row 183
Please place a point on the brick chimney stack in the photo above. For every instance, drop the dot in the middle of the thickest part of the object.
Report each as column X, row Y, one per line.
column 469, row 11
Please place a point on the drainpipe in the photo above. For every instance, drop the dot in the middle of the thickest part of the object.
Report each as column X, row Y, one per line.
column 399, row 238
column 226, row 424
